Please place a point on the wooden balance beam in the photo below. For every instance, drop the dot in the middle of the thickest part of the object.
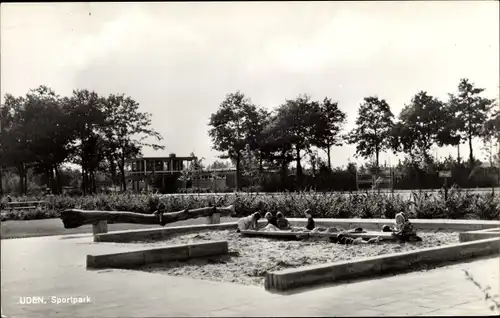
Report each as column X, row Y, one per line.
column 385, row 236
column 74, row 218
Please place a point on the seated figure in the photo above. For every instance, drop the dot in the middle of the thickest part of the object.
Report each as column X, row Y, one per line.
column 282, row 222
column 272, row 223
column 249, row 222
column 403, row 229
column 311, row 226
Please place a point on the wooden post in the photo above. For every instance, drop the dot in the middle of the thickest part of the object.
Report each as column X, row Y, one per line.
column 100, row 227
column 214, row 218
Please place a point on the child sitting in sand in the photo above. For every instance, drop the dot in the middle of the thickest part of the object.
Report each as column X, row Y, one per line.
column 403, row 229
column 282, row 222
column 311, row 226
column 272, row 223
column 249, row 222
column 310, row 221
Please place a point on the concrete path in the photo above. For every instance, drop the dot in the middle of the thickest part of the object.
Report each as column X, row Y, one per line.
column 53, row 268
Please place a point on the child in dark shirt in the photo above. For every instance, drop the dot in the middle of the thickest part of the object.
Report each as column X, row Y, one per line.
column 283, row 223
column 310, row 221
column 272, row 223
column 271, row 219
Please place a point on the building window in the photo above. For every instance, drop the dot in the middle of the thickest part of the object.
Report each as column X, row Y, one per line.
column 158, row 165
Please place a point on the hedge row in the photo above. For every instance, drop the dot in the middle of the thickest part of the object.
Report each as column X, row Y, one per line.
column 460, row 204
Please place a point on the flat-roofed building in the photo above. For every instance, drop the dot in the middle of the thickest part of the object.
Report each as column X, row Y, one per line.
column 155, row 173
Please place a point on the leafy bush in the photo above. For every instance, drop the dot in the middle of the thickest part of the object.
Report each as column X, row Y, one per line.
column 458, row 205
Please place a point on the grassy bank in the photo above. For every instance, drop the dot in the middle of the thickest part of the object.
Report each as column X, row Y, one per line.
column 459, row 204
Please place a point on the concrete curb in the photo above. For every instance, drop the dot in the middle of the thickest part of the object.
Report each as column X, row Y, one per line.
column 317, row 274
column 419, row 224
column 369, row 224
column 158, row 233
column 157, row 255
column 479, row 235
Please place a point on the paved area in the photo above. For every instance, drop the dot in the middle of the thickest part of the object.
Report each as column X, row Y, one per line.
column 53, row 268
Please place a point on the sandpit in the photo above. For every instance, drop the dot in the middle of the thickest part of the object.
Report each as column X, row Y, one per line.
column 251, row 257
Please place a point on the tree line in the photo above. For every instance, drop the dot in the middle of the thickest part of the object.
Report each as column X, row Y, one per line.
column 42, row 130
column 254, row 137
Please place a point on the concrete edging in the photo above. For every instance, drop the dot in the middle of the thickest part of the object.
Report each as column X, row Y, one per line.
column 137, row 258
column 369, row 224
column 158, row 233
column 419, row 224
column 479, row 235
column 317, row 274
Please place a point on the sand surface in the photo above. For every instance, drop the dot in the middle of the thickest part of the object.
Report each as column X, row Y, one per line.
column 251, row 257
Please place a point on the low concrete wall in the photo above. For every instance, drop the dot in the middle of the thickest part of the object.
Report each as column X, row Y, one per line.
column 317, row 274
column 479, row 235
column 419, row 224
column 496, row 229
column 157, row 255
column 158, row 233
column 368, row 224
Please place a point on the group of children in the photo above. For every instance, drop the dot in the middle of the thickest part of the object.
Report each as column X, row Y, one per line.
column 402, row 228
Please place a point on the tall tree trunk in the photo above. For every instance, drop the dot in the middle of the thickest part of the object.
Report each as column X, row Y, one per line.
column 329, row 160
column 94, row 183
column 458, row 153
column 58, row 180
column 377, row 153
column 471, row 155
column 1, row 183
column 84, row 181
column 47, row 175
column 299, row 169
column 21, row 178
column 82, row 186
column 283, row 169
column 261, row 163
column 54, row 180
column 25, row 181
column 121, row 166
column 238, row 159
column 112, row 168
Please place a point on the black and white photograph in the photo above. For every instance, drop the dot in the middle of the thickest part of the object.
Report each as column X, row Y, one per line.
column 250, row 159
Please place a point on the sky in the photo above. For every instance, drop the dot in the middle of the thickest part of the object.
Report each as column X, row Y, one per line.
column 180, row 59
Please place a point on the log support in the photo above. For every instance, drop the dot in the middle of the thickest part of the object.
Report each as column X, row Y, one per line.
column 100, row 227
column 214, row 219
